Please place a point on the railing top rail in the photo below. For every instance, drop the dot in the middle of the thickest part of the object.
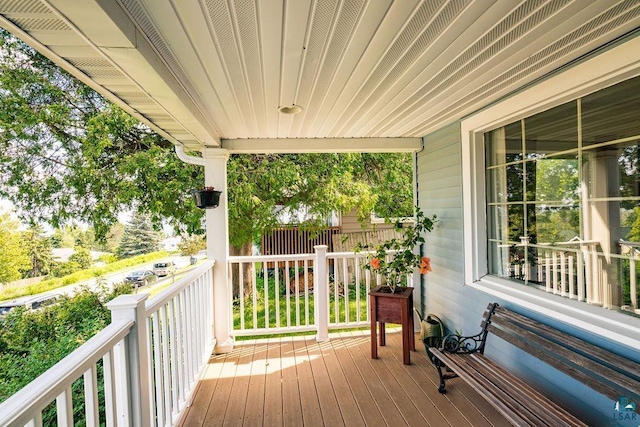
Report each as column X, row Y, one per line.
column 271, row 258
column 18, row 409
column 152, row 305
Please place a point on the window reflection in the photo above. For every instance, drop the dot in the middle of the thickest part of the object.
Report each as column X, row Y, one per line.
column 563, row 212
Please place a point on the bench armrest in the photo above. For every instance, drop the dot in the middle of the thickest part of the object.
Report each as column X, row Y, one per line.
column 454, row 343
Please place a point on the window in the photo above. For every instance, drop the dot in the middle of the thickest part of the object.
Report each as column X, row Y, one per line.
column 563, row 198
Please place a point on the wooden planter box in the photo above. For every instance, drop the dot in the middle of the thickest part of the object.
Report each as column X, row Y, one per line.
column 386, row 307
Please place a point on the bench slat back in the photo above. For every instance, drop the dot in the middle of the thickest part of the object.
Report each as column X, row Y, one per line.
column 599, row 369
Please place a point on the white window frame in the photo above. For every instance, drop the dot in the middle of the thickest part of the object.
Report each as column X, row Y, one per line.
column 617, row 63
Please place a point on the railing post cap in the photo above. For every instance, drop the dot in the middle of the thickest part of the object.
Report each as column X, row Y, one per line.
column 127, row 301
column 320, row 247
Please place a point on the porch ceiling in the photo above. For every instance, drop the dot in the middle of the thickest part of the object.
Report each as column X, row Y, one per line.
column 205, row 72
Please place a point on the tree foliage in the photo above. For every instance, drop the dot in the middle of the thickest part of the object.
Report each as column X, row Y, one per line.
column 36, row 340
column 82, row 256
column 13, row 255
column 138, row 238
column 68, row 154
column 317, row 183
column 39, row 250
column 191, row 244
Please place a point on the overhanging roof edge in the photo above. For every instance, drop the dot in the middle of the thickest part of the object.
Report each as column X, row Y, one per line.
column 322, row 145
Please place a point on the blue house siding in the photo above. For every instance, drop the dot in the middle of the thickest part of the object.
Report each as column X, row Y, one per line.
column 439, row 187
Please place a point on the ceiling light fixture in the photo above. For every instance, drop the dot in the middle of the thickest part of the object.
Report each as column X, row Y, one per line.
column 290, row 109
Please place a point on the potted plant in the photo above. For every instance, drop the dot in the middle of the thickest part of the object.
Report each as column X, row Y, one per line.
column 392, row 302
column 207, row 198
column 395, row 259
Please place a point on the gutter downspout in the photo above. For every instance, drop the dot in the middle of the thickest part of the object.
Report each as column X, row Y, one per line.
column 194, row 160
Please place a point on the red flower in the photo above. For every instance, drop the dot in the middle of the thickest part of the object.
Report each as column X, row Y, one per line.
column 425, row 265
column 375, row 263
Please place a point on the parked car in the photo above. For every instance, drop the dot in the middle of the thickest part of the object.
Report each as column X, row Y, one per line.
column 30, row 303
column 162, row 269
column 141, row 277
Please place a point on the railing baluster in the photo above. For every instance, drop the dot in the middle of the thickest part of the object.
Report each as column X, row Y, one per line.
column 345, row 290
column 173, row 355
column 306, row 292
column 287, row 293
column 336, row 299
column 297, row 296
column 240, row 293
column 91, row 397
column 254, row 293
column 572, row 285
column 563, row 272
column 109, row 388
column 632, row 285
column 64, row 408
column 157, row 372
column 547, row 271
column 276, row 292
column 266, row 296
column 166, row 377
column 356, row 266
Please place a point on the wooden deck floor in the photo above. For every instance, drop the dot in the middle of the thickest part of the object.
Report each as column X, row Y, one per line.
column 296, row 381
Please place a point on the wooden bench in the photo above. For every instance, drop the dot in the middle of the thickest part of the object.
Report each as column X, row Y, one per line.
column 601, row 370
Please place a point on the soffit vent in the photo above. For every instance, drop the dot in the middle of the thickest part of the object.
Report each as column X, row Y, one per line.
column 90, row 63
column 40, row 24
column 582, row 36
column 317, row 39
column 421, row 31
column 146, row 27
column 23, row 6
column 102, row 72
column 506, row 32
column 247, row 29
column 224, row 34
column 342, row 32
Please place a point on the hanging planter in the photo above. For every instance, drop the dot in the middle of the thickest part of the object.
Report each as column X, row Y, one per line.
column 207, row 198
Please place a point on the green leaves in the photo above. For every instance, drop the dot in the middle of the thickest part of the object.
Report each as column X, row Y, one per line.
column 67, row 154
column 394, row 259
column 14, row 257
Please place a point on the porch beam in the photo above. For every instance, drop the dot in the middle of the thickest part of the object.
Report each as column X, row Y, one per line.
column 322, row 145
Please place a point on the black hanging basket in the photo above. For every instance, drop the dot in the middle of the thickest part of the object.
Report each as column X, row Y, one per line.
column 207, row 199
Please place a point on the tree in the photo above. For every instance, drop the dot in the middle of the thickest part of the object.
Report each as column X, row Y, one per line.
column 66, row 153
column 13, row 256
column 138, row 238
column 38, row 248
column 82, row 256
column 191, row 244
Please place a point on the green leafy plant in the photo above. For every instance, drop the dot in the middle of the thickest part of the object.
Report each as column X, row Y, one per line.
column 394, row 259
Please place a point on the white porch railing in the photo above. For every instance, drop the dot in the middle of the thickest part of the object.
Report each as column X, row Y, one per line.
column 306, row 292
column 585, row 273
column 142, row 368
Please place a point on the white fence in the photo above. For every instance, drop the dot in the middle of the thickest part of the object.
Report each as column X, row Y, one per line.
column 142, row 368
column 584, row 273
column 306, row 292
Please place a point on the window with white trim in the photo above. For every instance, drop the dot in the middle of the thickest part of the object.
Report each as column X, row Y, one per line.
column 563, row 198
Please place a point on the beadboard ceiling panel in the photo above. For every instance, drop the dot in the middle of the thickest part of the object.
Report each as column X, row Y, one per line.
column 207, row 72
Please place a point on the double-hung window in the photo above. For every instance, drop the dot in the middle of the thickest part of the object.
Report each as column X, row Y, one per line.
column 563, row 198
column 551, row 192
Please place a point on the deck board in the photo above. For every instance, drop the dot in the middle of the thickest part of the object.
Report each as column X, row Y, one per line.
column 297, row 381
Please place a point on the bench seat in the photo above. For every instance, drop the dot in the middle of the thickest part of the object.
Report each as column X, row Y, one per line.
column 521, row 403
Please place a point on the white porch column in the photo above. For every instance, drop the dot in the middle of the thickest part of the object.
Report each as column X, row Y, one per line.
column 217, row 223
